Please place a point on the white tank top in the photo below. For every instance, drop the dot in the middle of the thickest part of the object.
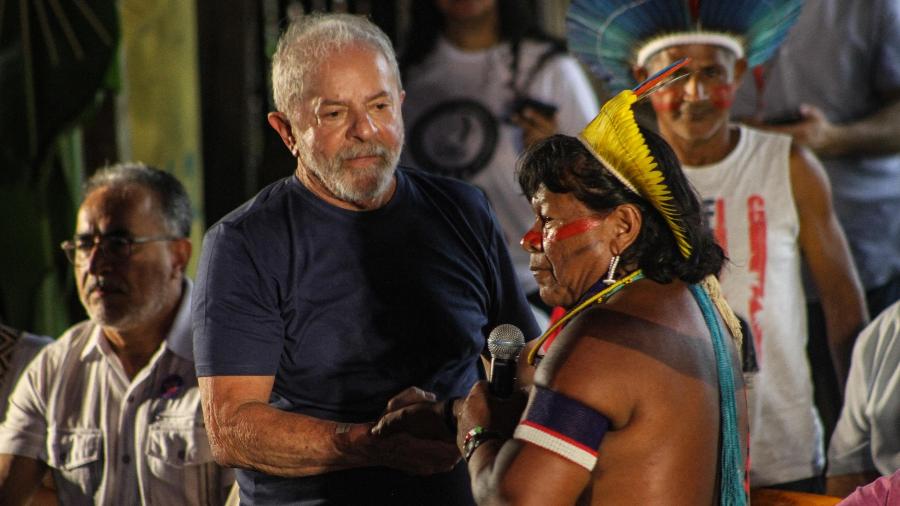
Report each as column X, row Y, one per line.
column 750, row 205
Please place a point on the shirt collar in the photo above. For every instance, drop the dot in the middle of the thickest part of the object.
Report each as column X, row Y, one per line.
column 178, row 340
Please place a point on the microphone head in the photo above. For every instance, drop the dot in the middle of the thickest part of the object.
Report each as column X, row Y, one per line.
column 506, row 342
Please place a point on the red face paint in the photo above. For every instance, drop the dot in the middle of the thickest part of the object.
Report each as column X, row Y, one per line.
column 573, row 228
column 722, row 95
column 532, row 240
column 666, row 100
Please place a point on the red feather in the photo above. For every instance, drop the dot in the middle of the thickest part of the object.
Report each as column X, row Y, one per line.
column 695, row 9
column 658, row 78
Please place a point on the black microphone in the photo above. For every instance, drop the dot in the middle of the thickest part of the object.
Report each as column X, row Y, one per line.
column 505, row 343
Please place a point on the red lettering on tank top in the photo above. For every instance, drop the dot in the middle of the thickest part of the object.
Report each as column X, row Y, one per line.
column 756, row 219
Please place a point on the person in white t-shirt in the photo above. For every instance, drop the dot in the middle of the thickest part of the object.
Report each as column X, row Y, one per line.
column 482, row 83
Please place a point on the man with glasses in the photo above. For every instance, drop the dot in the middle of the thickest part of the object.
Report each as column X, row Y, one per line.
column 113, row 407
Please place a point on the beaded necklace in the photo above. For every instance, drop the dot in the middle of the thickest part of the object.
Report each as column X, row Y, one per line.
column 599, row 298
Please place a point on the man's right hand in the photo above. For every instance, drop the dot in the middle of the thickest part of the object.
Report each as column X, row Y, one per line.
column 412, row 454
column 412, row 434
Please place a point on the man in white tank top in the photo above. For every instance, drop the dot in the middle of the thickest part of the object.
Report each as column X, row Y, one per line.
column 769, row 201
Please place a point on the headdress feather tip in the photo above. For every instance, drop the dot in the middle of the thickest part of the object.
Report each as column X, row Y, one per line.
column 608, row 35
column 614, row 138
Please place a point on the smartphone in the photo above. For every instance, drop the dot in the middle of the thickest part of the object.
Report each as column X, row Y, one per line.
column 785, row 118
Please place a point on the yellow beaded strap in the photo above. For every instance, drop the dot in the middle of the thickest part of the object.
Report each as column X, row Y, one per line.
column 600, row 298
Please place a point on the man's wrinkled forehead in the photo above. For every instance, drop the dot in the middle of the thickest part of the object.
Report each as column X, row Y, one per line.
column 110, row 208
column 324, row 69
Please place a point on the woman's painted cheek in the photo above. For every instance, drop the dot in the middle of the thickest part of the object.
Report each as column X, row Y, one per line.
column 573, row 228
column 722, row 95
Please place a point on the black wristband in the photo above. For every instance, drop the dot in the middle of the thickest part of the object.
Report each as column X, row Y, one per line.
column 449, row 417
column 475, row 438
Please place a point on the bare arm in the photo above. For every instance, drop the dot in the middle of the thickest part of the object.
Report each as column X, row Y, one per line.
column 843, row 485
column 876, row 134
column 828, row 256
column 246, row 432
column 19, row 478
column 505, row 471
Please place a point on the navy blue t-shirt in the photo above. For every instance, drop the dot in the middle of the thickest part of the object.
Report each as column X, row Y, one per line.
column 348, row 308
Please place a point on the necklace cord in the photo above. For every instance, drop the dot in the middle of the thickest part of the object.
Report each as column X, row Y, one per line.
column 599, row 298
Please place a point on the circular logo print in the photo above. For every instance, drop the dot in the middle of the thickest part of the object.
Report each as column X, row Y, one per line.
column 455, row 138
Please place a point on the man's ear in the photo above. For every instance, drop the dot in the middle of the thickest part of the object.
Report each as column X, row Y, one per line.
column 181, row 253
column 639, row 73
column 281, row 124
column 626, row 221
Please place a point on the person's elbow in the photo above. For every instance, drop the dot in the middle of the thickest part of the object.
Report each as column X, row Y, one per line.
column 222, row 444
column 220, row 429
column 222, row 453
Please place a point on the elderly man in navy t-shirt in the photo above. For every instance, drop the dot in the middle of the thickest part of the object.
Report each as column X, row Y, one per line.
column 325, row 298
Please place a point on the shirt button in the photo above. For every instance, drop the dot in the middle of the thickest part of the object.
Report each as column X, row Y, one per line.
column 126, row 459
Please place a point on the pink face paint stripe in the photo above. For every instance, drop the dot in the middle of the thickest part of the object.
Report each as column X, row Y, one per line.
column 574, row 228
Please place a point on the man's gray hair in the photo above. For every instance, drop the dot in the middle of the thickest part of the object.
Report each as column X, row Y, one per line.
column 171, row 196
column 309, row 39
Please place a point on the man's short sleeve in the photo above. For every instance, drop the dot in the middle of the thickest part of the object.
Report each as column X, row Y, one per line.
column 24, row 431
column 237, row 327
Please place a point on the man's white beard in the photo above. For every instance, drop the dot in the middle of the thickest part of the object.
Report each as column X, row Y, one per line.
column 358, row 186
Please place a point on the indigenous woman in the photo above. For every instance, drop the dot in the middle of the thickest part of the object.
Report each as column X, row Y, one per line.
column 638, row 398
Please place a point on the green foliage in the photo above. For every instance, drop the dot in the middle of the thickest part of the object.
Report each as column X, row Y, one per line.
column 54, row 59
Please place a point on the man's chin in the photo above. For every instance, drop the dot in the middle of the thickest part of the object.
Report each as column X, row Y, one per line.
column 107, row 315
column 551, row 297
column 365, row 188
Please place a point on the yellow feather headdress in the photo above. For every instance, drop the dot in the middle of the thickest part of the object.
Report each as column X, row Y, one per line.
column 613, row 138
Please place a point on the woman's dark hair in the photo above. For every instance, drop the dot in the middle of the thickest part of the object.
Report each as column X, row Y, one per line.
column 564, row 165
column 517, row 22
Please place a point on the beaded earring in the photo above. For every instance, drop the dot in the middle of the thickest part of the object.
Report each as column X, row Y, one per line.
column 610, row 278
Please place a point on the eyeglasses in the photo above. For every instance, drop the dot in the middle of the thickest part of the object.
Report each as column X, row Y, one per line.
column 114, row 247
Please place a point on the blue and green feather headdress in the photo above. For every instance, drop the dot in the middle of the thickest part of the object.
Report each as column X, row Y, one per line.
column 611, row 36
